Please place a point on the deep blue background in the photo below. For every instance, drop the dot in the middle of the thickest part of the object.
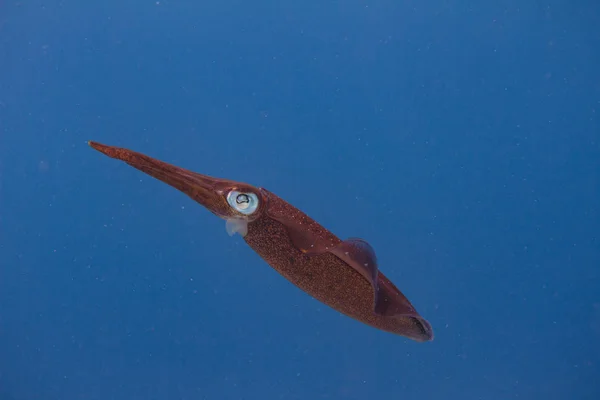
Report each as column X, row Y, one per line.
column 460, row 139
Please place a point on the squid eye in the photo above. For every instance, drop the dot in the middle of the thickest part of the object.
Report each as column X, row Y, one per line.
column 244, row 203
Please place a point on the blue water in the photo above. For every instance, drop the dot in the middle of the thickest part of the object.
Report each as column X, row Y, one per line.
column 461, row 139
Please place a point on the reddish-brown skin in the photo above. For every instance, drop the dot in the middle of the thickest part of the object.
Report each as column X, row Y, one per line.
column 342, row 274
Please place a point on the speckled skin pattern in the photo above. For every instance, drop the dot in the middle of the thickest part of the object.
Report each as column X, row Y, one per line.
column 324, row 276
column 277, row 232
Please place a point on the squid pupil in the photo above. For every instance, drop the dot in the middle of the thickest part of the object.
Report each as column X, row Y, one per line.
column 242, row 198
